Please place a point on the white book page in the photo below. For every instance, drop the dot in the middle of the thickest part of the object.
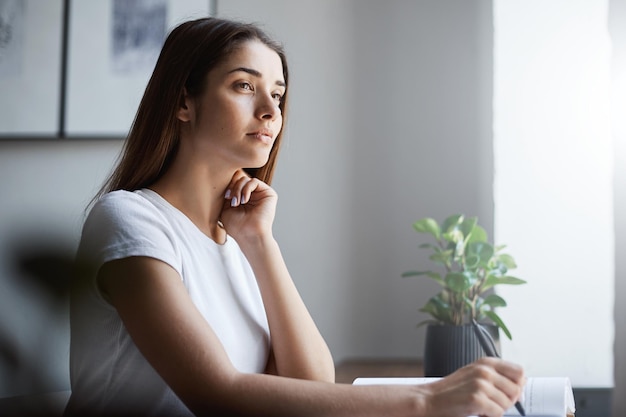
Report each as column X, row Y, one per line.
column 546, row 397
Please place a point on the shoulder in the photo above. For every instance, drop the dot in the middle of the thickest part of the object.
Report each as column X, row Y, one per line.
column 125, row 209
column 124, row 223
column 122, row 202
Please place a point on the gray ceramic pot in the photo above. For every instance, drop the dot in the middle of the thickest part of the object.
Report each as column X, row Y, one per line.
column 448, row 348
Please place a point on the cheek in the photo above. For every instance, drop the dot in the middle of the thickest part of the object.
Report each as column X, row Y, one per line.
column 216, row 120
column 278, row 123
column 236, row 110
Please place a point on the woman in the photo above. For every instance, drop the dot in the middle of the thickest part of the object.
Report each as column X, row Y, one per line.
column 183, row 303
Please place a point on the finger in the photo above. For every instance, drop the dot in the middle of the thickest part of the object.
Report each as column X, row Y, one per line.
column 234, row 190
column 511, row 379
column 513, row 390
column 472, row 394
column 503, row 397
column 237, row 190
column 507, row 369
column 497, row 373
column 510, row 370
column 248, row 188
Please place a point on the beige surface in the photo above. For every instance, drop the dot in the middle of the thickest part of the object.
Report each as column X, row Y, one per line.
column 348, row 370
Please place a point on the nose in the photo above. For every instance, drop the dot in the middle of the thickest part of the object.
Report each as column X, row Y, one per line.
column 267, row 107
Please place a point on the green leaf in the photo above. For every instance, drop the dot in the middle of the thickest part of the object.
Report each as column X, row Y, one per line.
column 435, row 276
column 472, row 261
column 467, row 226
column 483, row 250
column 430, row 307
column 498, row 321
column 478, row 235
column 437, row 308
column 428, row 225
column 442, row 257
column 493, row 280
column 497, row 268
column 509, row 280
column 494, row 300
column 458, row 282
column 451, row 222
column 507, row 260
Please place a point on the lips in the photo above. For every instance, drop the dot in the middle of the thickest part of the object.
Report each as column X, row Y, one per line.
column 264, row 135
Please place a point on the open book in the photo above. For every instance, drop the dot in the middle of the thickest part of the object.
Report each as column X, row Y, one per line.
column 543, row 396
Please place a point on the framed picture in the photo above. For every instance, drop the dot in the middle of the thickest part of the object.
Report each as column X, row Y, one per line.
column 30, row 68
column 111, row 51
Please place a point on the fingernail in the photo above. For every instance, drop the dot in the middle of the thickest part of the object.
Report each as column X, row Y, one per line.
column 243, row 199
column 227, row 195
column 233, row 202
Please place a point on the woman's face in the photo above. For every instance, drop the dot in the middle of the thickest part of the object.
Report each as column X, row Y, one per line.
column 235, row 121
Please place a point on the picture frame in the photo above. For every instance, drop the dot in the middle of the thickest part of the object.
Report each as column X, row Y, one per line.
column 112, row 48
column 77, row 69
column 30, row 68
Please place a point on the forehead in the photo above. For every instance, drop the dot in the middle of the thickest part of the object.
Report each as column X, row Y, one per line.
column 255, row 55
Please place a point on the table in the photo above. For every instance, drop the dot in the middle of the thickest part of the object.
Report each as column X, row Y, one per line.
column 347, row 370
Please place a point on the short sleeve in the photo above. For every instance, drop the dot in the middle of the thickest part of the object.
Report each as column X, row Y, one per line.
column 122, row 224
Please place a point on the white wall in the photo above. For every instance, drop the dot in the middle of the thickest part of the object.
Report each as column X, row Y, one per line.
column 617, row 27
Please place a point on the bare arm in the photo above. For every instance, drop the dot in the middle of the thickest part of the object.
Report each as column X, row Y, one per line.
column 188, row 355
column 298, row 348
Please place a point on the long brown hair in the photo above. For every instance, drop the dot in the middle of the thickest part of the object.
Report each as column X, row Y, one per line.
column 190, row 51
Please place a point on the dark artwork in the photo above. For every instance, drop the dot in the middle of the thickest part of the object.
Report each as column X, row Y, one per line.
column 138, row 32
column 11, row 37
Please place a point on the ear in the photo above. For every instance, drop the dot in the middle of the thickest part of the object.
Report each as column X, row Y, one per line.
column 185, row 110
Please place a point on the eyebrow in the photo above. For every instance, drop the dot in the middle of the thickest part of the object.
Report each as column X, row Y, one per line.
column 256, row 74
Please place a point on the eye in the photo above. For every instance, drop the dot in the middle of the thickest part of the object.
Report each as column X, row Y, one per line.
column 278, row 97
column 244, row 85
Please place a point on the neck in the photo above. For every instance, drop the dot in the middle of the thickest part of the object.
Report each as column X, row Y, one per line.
column 198, row 192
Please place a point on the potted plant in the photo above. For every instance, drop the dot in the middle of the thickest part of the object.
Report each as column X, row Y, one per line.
column 469, row 267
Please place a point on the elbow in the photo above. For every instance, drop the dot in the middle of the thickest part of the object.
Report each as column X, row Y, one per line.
column 329, row 376
column 328, row 372
column 320, row 373
column 323, row 372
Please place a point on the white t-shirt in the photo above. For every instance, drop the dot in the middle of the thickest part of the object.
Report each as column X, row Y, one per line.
column 109, row 376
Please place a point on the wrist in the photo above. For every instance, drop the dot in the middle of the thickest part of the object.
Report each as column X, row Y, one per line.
column 420, row 396
column 256, row 242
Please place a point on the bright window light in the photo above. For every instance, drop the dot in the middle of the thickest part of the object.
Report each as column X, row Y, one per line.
column 553, row 184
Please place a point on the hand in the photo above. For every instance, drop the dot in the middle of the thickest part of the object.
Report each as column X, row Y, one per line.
column 249, row 207
column 487, row 387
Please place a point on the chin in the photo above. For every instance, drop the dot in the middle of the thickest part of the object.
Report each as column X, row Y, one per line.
column 259, row 162
column 252, row 170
